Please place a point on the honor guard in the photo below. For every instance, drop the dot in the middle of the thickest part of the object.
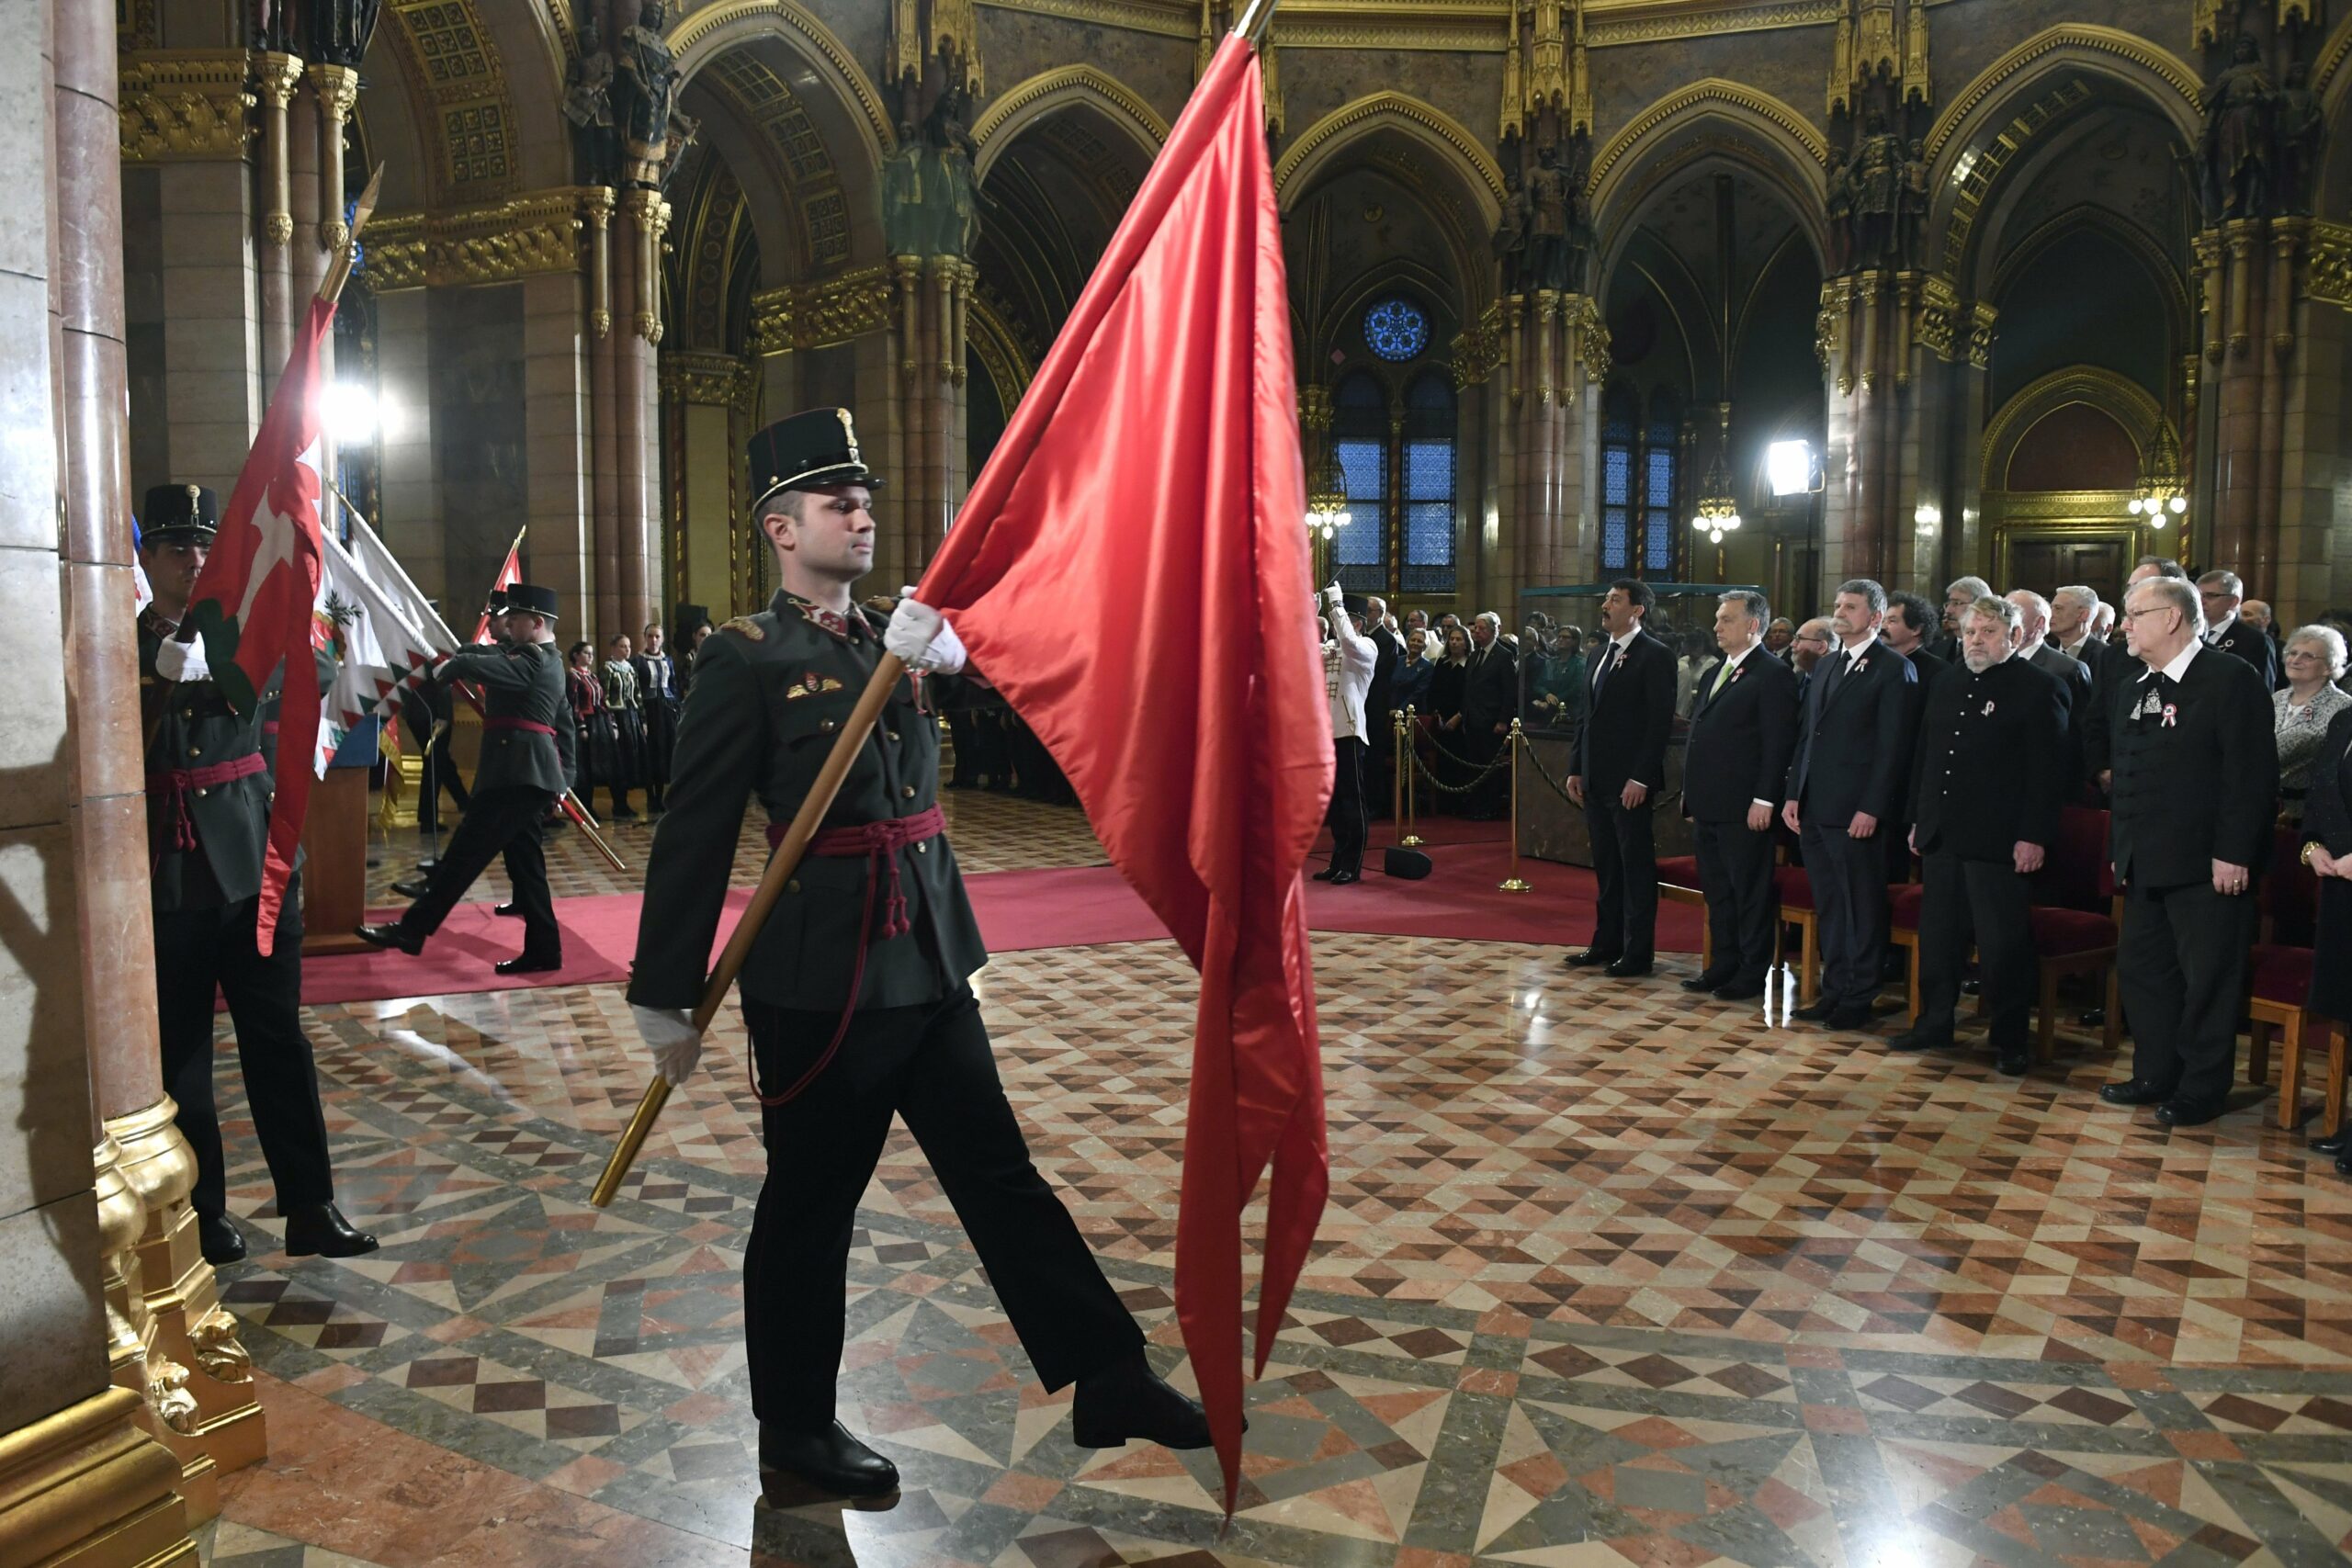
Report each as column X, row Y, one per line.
column 520, row 777
column 856, row 995
column 207, row 823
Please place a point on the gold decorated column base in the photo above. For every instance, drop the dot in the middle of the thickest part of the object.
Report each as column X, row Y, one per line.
column 192, row 1350
column 89, row 1488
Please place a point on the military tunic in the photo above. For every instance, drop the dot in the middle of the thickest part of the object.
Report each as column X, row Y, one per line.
column 520, row 775
column 209, row 791
column 770, row 693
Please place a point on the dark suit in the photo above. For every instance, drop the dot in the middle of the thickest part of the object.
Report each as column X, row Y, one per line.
column 1490, row 697
column 1926, row 665
column 2196, row 780
column 1624, row 739
column 1741, row 735
column 2328, row 821
column 2106, row 663
column 1988, row 774
column 2076, row 678
column 2251, row 644
column 1379, row 751
column 1853, row 747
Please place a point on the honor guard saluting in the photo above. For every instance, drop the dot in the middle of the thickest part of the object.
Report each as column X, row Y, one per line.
column 207, row 823
column 856, row 994
column 520, row 776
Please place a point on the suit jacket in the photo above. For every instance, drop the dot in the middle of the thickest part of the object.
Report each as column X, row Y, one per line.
column 1490, row 690
column 1624, row 735
column 770, row 692
column 2254, row 646
column 1854, row 737
column 2327, row 809
column 2107, row 664
column 2080, row 685
column 2201, row 788
column 1990, row 771
column 523, row 682
column 1741, row 739
column 1381, row 696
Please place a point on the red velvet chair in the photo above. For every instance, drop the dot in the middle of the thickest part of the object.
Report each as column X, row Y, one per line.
column 1794, row 889
column 1678, row 883
column 2078, row 922
column 2279, row 972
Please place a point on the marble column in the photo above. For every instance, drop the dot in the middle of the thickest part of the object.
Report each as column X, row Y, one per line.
column 218, row 1425
column 212, row 331
column 557, row 341
column 1546, row 411
column 413, row 522
column 83, row 1476
column 2237, row 435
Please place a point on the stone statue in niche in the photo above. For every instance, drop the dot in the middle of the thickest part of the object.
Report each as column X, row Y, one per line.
column 684, row 131
column 929, row 187
column 643, row 87
column 2299, row 126
column 1877, row 177
column 1511, row 230
column 1576, row 173
column 1841, row 214
column 273, row 26
column 1911, row 226
column 1547, row 230
column 588, row 104
column 340, row 29
column 2234, row 156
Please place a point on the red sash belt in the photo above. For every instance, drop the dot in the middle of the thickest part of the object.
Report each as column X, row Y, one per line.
column 533, row 725
column 173, row 785
column 878, row 844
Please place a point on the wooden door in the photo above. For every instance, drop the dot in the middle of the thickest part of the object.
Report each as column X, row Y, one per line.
column 2045, row 563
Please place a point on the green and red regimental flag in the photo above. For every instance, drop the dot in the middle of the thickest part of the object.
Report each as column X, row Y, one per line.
column 1131, row 571
column 252, row 603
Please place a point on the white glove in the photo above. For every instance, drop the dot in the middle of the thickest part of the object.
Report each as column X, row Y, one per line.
column 177, row 661
column 921, row 638
column 675, row 1042
column 1335, row 596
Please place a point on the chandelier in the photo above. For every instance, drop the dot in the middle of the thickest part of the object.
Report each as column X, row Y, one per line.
column 1718, row 513
column 2160, row 481
column 1326, row 503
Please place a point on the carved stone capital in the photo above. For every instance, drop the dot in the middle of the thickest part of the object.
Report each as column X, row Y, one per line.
column 188, row 105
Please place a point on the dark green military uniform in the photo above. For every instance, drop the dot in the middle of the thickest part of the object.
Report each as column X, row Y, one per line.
column 855, row 994
column 206, row 835
column 786, row 684
column 518, row 778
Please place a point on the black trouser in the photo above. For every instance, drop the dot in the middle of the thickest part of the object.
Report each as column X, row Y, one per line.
column 1624, row 864
column 196, row 951
column 931, row 1064
column 1482, row 746
column 2182, row 971
column 1735, row 874
column 959, row 738
column 501, row 820
column 1848, row 877
column 1348, row 826
column 1987, row 903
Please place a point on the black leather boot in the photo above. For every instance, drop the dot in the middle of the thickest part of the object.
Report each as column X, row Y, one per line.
column 393, row 934
column 219, row 1238
column 831, row 1461
column 320, row 1229
column 1128, row 1401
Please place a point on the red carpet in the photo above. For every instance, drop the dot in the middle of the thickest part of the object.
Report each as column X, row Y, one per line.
column 1064, row 907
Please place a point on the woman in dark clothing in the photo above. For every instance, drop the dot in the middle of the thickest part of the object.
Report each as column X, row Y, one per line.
column 586, row 696
column 1446, row 685
column 2327, row 849
column 657, row 689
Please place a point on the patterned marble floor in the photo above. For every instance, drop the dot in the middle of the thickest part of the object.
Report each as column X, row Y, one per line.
column 1608, row 1277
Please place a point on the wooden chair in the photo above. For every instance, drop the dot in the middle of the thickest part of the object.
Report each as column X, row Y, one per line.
column 2279, row 971
column 2077, row 928
column 1678, row 883
column 1794, row 890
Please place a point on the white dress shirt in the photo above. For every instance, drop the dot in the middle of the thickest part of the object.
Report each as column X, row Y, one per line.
column 1348, row 660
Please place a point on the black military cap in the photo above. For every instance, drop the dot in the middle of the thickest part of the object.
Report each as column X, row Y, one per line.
column 497, row 603
column 532, row 600
column 1353, row 603
column 179, row 512
column 808, row 451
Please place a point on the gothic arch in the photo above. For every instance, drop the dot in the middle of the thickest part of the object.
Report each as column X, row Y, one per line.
column 2119, row 397
column 2332, row 80
column 1048, row 92
column 2148, row 70
column 704, row 35
column 1712, row 119
column 2017, row 254
column 1456, row 152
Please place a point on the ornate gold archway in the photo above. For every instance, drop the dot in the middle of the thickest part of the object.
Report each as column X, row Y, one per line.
column 1328, row 138
column 1048, row 92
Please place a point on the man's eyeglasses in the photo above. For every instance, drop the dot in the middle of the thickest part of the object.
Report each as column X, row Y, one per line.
column 2151, row 610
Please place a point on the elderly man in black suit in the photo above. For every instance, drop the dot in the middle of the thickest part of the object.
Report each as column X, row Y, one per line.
column 2222, row 595
column 1619, row 766
column 1961, row 593
column 2196, row 789
column 2074, row 677
column 1741, row 734
column 1853, row 744
column 1987, row 780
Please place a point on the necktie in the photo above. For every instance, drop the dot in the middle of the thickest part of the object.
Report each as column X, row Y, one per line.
column 1721, row 675
column 1601, row 677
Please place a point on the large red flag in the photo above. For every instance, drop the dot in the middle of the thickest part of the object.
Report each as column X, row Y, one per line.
column 251, row 601
column 510, row 572
column 1131, row 571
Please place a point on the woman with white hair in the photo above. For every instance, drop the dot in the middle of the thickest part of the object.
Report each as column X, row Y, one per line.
column 2315, row 658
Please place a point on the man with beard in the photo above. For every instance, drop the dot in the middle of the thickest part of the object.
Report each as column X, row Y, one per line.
column 1987, row 782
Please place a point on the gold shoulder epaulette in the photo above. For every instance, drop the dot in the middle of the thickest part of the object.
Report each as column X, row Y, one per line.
column 746, row 627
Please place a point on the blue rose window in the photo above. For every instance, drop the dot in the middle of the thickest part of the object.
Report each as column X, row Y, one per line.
column 1396, row 329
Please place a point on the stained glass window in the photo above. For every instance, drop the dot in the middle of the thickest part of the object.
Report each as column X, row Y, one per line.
column 1396, row 329
column 1661, row 463
column 1617, row 434
column 1430, row 420
column 1360, row 442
